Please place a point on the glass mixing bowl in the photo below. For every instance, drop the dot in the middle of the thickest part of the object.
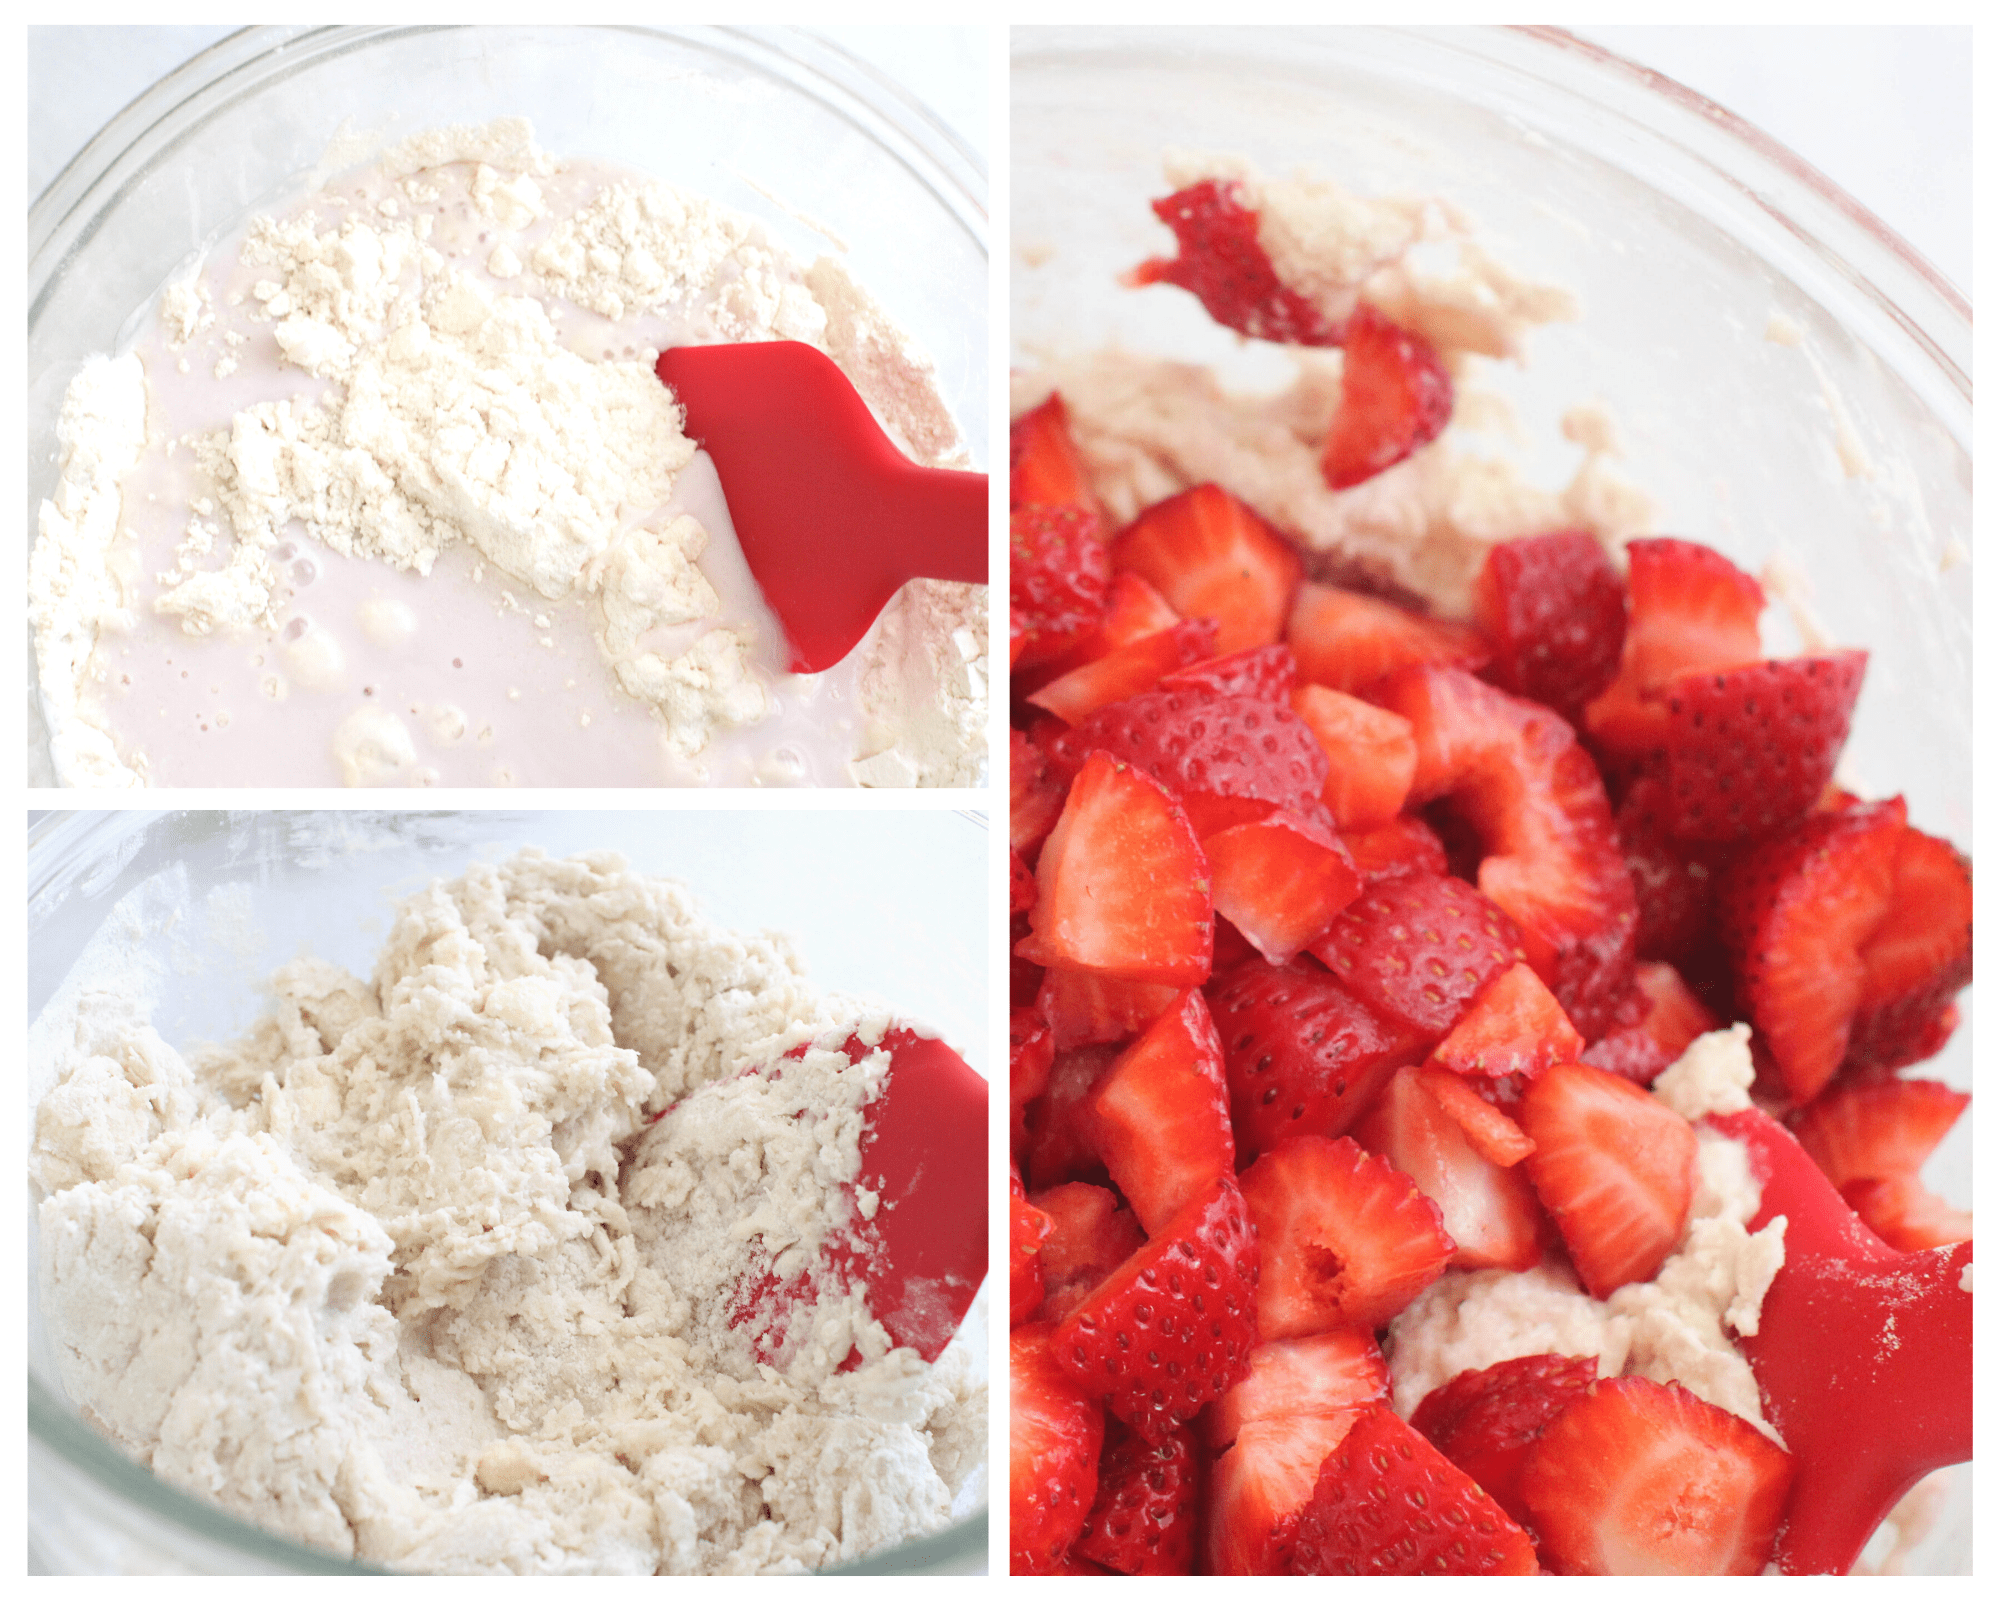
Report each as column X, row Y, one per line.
column 891, row 904
column 782, row 127
column 1696, row 246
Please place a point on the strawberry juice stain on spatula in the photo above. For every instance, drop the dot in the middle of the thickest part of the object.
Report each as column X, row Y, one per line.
column 832, row 517
column 1863, row 1354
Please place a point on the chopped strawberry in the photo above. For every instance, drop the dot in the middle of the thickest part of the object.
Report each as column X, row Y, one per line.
column 1346, row 1240
column 1750, row 750
column 1123, row 885
column 1484, row 1421
column 1419, row 948
column 1613, row 1167
column 1020, row 885
column 1030, row 1055
column 1060, row 1141
column 1148, row 1502
column 1660, row 1019
column 1370, row 755
column 1691, row 610
column 1231, row 950
column 1319, row 1376
column 1488, row 1129
column 1266, row 672
column 1133, row 610
column 1877, row 1127
column 1918, row 959
column 1387, row 1504
column 1222, row 264
column 1673, row 879
column 1035, row 796
column 1090, row 1237
column 1229, row 758
column 1489, row 1212
column 1395, row 397
column 1794, row 912
column 1904, row 1214
column 1281, row 880
column 1513, row 1029
column 1347, row 641
column 1636, row 1477
column 1057, row 573
column 1170, row 1329
column 1083, row 1008
column 1044, row 468
column 1210, row 555
column 1054, row 1435
column 1515, row 773
column 1302, row 1054
column 1027, row 1229
column 1553, row 608
column 1406, row 844
column 1161, row 1115
column 1259, row 1486
column 1128, row 670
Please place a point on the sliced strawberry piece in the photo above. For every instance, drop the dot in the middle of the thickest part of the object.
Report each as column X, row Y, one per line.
column 1407, row 844
column 1260, row 1485
column 1128, row 670
column 1083, row 1008
column 1090, row 1237
column 1020, row 885
column 1904, row 1214
column 1058, row 571
column 1030, row 1054
column 1044, row 468
column 1281, row 880
column 1133, row 610
column 1347, row 641
column 1302, row 1055
column 1148, row 1502
column 1222, row 264
column 1419, row 948
column 1750, row 750
column 1161, row 1115
column 1673, row 879
column 1060, row 1141
column 1346, row 1240
column 1488, row 1129
column 1691, row 610
column 1878, row 1127
column 1794, row 913
column 1395, row 396
column 1662, row 1017
column 1918, row 959
column 1170, row 1329
column 1266, row 672
column 1641, row 1478
column 1553, row 608
column 1388, row 1504
column 1371, row 755
column 1123, row 884
column 1210, row 555
column 1514, row 1028
column 1484, row 1421
column 1321, row 1375
column 1035, row 796
column 1613, row 1167
column 1514, row 772
column 1027, row 1229
column 1054, row 1435
column 1489, row 1213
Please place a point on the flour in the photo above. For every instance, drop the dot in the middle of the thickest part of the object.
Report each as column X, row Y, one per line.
column 451, row 1268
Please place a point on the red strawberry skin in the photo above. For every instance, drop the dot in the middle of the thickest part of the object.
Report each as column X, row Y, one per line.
column 1484, row 1421
column 1395, row 396
column 1419, row 948
column 1553, row 608
column 1268, row 672
column 1058, row 572
column 1301, row 1054
column 1387, row 1504
column 1044, row 468
column 1161, row 1114
column 1259, row 1487
column 1055, row 1433
column 1170, row 1330
column 1660, row 1019
column 1035, row 795
column 1148, row 1498
column 1210, row 555
column 1222, row 264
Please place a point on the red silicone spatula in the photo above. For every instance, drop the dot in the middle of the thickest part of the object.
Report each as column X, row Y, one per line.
column 832, row 517
column 1863, row 1354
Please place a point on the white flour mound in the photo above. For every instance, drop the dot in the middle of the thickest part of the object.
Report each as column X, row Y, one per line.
column 439, row 1269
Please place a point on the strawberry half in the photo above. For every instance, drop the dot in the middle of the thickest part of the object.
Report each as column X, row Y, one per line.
column 1259, row 1486
column 1090, row 1237
column 1877, row 1128
column 1302, row 1055
column 1553, row 608
column 1917, row 960
column 1161, row 1115
column 1346, row 1239
column 1210, row 555
column 1613, row 1167
column 1281, row 880
column 1148, row 1499
column 1123, row 885
column 1044, row 468
column 1484, row 1421
column 1388, row 1504
column 1170, row 1329
column 1371, row 756
column 1347, row 641
column 1642, row 1478
column 1318, row 1376
column 1058, row 570
column 1395, row 396
column 1054, row 1435
column 1224, row 266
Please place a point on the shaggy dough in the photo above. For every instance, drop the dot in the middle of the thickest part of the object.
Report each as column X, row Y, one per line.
column 439, row 1269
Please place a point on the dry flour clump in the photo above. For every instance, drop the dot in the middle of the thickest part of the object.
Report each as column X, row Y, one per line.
column 451, row 1268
